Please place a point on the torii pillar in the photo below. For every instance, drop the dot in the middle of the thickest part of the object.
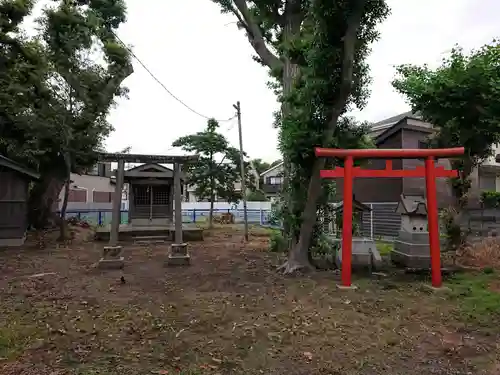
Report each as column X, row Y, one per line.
column 178, row 252
column 112, row 255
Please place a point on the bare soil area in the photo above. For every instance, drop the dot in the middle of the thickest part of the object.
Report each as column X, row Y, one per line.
column 230, row 312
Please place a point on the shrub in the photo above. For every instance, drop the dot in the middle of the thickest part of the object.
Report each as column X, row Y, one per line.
column 325, row 248
column 277, row 243
column 490, row 199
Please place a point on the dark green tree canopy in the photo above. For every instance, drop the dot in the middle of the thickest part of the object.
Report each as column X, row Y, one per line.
column 57, row 88
column 52, row 90
column 316, row 52
column 461, row 98
column 217, row 170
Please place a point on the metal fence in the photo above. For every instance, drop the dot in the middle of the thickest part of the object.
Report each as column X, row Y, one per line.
column 103, row 217
column 381, row 222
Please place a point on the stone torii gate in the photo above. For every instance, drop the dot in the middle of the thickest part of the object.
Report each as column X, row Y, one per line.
column 112, row 254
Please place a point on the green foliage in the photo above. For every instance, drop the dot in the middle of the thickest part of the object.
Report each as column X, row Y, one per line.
column 53, row 94
column 356, row 223
column 490, row 199
column 384, row 248
column 277, row 243
column 256, row 196
column 461, row 99
column 317, row 91
column 276, row 214
column 218, row 167
column 309, row 74
column 324, row 248
column 54, row 98
column 478, row 301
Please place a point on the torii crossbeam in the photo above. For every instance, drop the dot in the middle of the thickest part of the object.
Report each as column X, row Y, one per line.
column 429, row 171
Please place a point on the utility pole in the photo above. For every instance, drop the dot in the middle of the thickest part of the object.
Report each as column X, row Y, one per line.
column 242, row 165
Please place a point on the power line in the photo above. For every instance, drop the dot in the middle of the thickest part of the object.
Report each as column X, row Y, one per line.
column 162, row 85
column 231, row 126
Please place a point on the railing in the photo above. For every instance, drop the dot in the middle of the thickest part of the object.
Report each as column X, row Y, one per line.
column 103, row 217
column 381, row 222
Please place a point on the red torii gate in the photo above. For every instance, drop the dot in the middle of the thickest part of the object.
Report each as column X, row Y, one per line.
column 429, row 171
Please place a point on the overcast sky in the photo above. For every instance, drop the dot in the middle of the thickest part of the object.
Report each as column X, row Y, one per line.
column 207, row 63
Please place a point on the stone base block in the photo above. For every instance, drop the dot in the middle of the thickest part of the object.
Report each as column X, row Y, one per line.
column 111, row 264
column 345, row 287
column 112, row 252
column 178, row 255
column 442, row 289
column 410, row 260
column 364, row 254
column 176, row 260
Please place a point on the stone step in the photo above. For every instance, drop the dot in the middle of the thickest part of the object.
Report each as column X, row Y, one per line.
column 147, row 240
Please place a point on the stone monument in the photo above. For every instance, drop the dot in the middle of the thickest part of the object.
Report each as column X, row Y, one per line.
column 411, row 248
column 364, row 251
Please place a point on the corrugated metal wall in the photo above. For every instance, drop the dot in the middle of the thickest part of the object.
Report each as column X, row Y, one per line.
column 382, row 221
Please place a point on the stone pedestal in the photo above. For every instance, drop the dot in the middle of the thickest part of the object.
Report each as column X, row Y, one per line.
column 364, row 254
column 412, row 250
column 112, row 258
column 178, row 255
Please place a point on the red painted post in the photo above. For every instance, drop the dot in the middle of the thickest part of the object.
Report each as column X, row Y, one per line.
column 432, row 213
column 347, row 222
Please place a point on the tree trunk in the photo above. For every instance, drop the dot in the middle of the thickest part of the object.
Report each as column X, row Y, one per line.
column 212, row 194
column 291, row 71
column 63, row 233
column 63, row 227
column 211, row 212
column 298, row 256
column 42, row 197
column 454, row 215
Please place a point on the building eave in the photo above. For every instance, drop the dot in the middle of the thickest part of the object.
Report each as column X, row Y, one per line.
column 271, row 169
column 11, row 164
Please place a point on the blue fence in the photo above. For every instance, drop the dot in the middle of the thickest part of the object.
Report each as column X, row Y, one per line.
column 103, row 217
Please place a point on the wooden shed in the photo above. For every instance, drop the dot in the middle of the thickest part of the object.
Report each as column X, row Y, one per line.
column 14, row 184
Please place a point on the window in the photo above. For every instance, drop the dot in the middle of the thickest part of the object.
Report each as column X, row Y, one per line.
column 77, row 195
column 275, row 180
column 487, row 182
column 102, row 196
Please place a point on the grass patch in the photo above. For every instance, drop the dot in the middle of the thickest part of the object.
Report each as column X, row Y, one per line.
column 384, row 248
column 478, row 295
column 14, row 339
column 229, row 312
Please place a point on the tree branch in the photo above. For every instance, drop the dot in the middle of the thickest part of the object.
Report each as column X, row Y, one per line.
column 255, row 35
column 350, row 39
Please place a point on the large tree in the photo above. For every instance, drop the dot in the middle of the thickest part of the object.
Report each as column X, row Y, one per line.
column 57, row 96
column 461, row 98
column 217, row 171
column 316, row 52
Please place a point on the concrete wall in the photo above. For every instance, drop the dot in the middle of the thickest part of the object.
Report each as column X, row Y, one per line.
column 90, row 184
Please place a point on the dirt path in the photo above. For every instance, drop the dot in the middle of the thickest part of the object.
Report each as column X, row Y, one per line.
column 227, row 313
